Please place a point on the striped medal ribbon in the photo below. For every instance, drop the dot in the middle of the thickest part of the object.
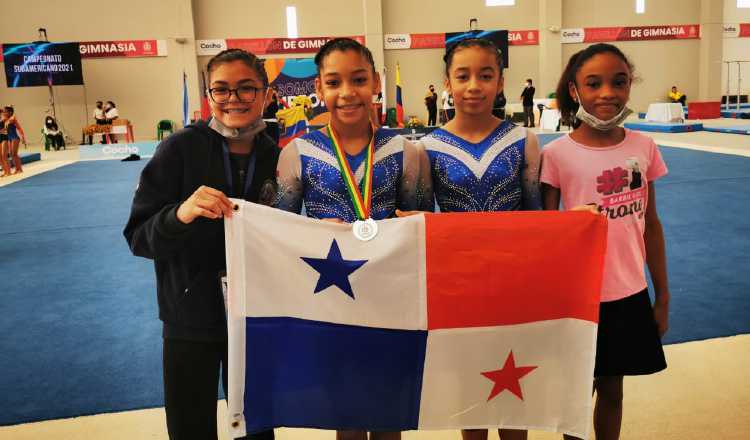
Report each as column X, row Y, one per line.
column 364, row 228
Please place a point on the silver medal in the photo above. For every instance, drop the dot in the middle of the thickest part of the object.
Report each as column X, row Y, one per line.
column 365, row 230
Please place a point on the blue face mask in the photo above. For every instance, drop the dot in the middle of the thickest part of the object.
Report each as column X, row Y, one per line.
column 599, row 124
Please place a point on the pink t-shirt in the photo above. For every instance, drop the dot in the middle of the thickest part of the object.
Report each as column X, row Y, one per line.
column 616, row 178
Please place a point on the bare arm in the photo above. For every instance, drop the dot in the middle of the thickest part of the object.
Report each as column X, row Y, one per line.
column 20, row 130
column 657, row 262
column 550, row 197
column 290, row 187
column 415, row 193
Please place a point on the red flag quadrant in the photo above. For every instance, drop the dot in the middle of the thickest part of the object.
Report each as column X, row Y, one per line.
column 443, row 321
column 512, row 268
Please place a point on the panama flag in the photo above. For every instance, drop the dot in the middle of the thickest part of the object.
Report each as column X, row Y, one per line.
column 442, row 321
column 295, row 123
column 399, row 100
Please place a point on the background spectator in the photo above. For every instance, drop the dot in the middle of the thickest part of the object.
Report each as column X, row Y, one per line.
column 527, row 97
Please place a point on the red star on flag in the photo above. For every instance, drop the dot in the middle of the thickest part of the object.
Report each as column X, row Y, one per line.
column 508, row 378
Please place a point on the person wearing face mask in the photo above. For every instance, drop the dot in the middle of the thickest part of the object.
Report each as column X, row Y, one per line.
column 99, row 114
column 54, row 134
column 430, row 101
column 176, row 220
column 110, row 112
column 99, row 119
column 613, row 169
column 527, row 98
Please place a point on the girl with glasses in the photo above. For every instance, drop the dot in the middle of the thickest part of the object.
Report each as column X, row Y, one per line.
column 176, row 220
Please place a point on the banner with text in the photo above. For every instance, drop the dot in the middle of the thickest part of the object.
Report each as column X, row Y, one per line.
column 630, row 33
column 121, row 48
column 42, row 64
column 737, row 30
column 266, row 46
column 437, row 41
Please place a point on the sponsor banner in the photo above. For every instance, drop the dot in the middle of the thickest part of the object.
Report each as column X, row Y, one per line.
column 631, row 33
column 427, row 41
column 266, row 46
column 123, row 48
column 396, row 41
column 437, row 41
column 571, row 35
column 731, row 30
column 116, row 151
column 523, row 38
column 210, row 47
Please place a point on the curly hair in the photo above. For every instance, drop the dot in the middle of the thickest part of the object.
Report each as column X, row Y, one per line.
column 565, row 103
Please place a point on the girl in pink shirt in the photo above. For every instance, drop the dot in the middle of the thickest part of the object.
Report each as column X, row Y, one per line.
column 612, row 168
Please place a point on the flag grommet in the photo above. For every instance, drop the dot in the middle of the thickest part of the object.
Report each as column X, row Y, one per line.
column 235, row 207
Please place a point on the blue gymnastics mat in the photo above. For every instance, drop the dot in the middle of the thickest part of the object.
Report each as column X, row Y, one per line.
column 665, row 127
column 735, row 129
column 742, row 113
column 30, row 157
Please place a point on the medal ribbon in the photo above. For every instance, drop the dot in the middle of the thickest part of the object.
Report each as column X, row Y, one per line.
column 361, row 197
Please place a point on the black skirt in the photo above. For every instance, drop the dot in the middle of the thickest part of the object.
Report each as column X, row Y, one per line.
column 628, row 341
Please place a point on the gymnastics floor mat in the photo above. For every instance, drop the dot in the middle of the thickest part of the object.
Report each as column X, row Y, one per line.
column 736, row 129
column 737, row 114
column 665, row 127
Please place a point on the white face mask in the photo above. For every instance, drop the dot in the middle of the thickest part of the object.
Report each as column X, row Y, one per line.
column 245, row 133
column 235, row 134
column 596, row 123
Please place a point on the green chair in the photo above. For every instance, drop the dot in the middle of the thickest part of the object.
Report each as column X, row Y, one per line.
column 163, row 126
column 391, row 118
column 47, row 140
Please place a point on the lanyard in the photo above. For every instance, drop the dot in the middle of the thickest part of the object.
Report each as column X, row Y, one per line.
column 228, row 171
column 361, row 198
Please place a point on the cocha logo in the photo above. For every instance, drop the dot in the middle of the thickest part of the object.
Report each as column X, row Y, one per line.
column 120, row 149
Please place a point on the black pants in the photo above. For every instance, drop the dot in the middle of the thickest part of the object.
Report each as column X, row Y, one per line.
column 191, row 379
column 528, row 116
column 432, row 116
column 57, row 141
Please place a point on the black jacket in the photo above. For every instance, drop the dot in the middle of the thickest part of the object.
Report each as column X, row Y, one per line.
column 189, row 258
column 528, row 96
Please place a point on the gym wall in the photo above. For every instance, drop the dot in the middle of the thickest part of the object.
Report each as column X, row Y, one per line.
column 658, row 64
column 735, row 49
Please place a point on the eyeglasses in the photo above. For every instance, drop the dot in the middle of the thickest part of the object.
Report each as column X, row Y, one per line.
column 245, row 94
